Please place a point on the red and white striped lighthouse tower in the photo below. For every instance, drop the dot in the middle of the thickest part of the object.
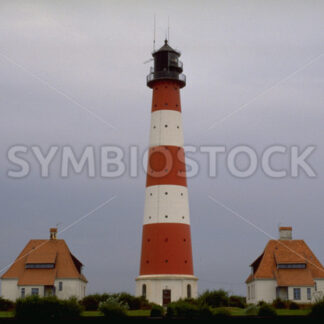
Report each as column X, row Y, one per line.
column 166, row 269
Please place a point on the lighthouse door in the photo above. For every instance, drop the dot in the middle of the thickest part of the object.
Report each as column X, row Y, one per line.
column 166, row 294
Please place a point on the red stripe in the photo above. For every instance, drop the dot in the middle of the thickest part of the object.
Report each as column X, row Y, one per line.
column 166, row 96
column 166, row 165
column 166, row 249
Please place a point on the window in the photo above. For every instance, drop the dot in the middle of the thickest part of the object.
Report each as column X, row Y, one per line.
column 315, row 286
column 309, row 293
column 297, row 294
column 39, row 266
column 249, row 293
column 144, row 291
column 291, row 266
column 35, row 291
column 60, row 285
column 188, row 291
column 22, row 293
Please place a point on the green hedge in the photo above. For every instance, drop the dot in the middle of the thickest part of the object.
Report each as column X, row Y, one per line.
column 36, row 308
column 267, row 311
column 185, row 310
column 317, row 310
column 6, row 305
column 157, row 311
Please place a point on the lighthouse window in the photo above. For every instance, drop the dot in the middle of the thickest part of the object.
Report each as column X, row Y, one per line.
column 165, row 126
column 178, row 127
column 186, row 261
column 154, row 127
column 151, row 194
column 144, row 291
column 182, row 217
column 188, row 291
column 166, row 104
column 166, row 216
column 181, row 194
column 184, row 240
column 150, row 217
column 165, row 193
column 166, row 261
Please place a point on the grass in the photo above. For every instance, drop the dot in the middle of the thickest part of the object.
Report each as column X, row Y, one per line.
column 139, row 312
column 91, row 314
column 131, row 313
column 6, row 314
column 292, row 312
column 235, row 311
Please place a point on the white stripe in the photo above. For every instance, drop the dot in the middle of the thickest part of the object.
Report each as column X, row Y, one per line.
column 166, row 204
column 166, row 128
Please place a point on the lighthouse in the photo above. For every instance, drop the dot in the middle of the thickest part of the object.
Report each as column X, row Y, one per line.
column 166, row 266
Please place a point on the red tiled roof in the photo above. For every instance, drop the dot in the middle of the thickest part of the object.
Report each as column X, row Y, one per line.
column 41, row 277
column 294, row 277
column 43, row 251
column 287, row 251
column 40, row 256
column 286, row 256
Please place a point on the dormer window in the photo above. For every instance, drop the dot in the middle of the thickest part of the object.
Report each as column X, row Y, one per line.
column 40, row 266
column 291, row 266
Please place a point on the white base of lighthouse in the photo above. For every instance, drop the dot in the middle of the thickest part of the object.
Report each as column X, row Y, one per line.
column 163, row 289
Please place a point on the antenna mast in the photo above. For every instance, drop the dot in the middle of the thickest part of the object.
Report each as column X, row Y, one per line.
column 168, row 29
column 154, row 31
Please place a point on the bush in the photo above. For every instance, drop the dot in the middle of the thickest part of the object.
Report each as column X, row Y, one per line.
column 185, row 310
column 157, row 311
column 261, row 303
column 36, row 308
column 279, row 304
column 252, row 310
column 216, row 298
column 133, row 302
column 317, row 310
column 113, row 309
column 221, row 313
column 293, row 305
column 6, row 304
column 267, row 311
column 237, row 301
column 91, row 302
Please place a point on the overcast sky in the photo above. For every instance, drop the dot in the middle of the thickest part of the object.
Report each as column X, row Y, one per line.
column 56, row 56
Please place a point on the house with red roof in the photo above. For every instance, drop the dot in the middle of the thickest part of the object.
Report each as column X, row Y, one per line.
column 44, row 268
column 286, row 269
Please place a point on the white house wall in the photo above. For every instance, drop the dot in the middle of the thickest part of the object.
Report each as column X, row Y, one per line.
column 9, row 289
column 262, row 290
column 71, row 288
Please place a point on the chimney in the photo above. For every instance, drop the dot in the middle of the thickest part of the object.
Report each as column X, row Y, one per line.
column 53, row 232
column 285, row 233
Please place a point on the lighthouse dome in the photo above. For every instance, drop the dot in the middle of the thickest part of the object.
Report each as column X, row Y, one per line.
column 167, row 66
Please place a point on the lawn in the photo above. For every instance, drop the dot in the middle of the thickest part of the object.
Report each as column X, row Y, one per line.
column 292, row 312
column 131, row 313
column 139, row 312
column 235, row 311
column 6, row 314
